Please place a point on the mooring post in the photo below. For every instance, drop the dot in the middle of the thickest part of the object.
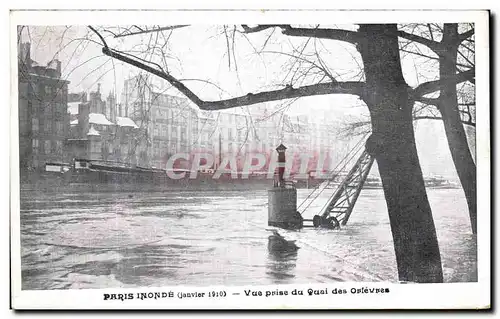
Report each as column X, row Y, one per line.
column 282, row 198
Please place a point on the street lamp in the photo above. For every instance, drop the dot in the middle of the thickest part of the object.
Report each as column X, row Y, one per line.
column 281, row 164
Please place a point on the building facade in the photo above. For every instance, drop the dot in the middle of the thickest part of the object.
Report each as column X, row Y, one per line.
column 43, row 117
column 170, row 123
column 97, row 133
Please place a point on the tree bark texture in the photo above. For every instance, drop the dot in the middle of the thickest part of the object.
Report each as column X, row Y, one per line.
column 455, row 132
column 393, row 145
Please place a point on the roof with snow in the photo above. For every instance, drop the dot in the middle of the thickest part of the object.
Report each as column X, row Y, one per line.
column 98, row 118
column 93, row 131
column 125, row 122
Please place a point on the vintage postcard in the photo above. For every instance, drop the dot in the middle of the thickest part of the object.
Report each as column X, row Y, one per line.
column 257, row 159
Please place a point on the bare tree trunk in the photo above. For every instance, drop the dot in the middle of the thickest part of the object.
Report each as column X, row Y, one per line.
column 393, row 145
column 455, row 133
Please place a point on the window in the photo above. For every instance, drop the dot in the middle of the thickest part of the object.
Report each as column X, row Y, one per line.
column 34, row 125
column 95, row 147
column 173, row 148
column 174, row 133
column 58, row 147
column 48, row 89
column 34, row 145
column 156, row 130
column 47, row 147
column 156, row 148
column 47, row 125
column 183, row 134
column 59, row 127
column 163, row 149
column 104, row 150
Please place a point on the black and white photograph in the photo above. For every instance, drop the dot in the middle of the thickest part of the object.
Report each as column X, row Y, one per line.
column 268, row 163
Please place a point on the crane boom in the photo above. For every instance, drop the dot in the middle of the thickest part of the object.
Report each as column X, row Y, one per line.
column 341, row 203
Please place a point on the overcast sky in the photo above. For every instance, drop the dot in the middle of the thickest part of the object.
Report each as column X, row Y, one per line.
column 257, row 63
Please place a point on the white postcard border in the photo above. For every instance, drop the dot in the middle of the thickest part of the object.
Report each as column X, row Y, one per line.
column 400, row 296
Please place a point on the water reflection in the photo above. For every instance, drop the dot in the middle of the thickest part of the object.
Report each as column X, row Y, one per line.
column 282, row 258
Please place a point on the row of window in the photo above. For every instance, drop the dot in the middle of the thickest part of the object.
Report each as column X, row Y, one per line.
column 164, row 148
column 47, row 126
column 47, row 146
column 162, row 130
column 49, row 108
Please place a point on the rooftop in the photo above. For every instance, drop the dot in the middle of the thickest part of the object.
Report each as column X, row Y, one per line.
column 125, row 122
column 98, row 118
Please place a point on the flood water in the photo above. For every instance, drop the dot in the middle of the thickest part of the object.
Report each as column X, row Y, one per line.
column 99, row 240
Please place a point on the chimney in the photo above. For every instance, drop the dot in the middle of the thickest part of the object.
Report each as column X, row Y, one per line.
column 58, row 67
column 104, row 108
column 111, row 107
column 83, row 119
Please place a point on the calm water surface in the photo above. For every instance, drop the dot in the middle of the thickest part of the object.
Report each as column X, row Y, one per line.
column 98, row 240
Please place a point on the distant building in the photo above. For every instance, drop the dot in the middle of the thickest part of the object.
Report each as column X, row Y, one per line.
column 170, row 123
column 98, row 134
column 43, row 117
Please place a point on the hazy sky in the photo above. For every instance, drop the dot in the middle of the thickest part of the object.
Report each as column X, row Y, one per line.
column 201, row 52
column 258, row 62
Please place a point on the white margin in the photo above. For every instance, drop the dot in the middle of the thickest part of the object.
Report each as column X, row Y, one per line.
column 423, row 296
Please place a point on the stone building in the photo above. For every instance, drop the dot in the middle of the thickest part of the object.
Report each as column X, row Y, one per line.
column 170, row 123
column 97, row 133
column 43, row 118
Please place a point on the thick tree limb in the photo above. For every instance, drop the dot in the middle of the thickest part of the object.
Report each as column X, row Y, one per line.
column 425, row 117
column 466, row 34
column 428, row 100
column 434, row 45
column 354, row 88
column 99, row 35
column 260, row 27
column 432, row 86
column 330, row 34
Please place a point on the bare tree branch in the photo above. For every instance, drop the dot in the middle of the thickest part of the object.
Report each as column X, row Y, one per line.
column 425, row 117
column 151, row 30
column 433, row 45
column 331, row 34
column 466, row 34
column 428, row 100
column 432, row 86
column 355, row 88
column 99, row 35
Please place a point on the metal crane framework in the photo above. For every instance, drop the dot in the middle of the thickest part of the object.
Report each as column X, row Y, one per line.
column 339, row 206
